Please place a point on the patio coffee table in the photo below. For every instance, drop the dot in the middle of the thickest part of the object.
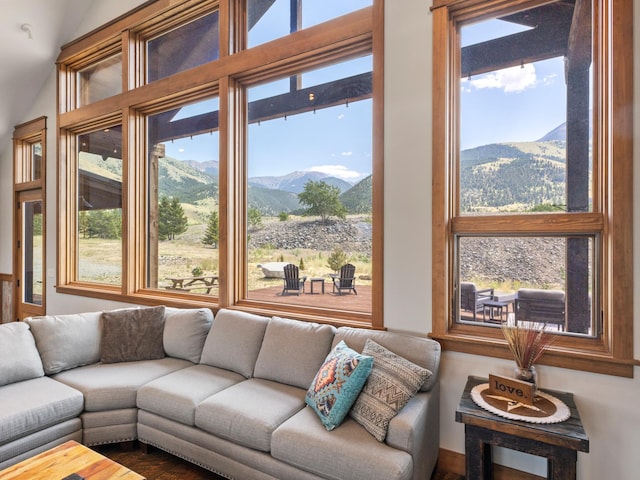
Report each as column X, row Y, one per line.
column 319, row 280
column 65, row 460
column 495, row 309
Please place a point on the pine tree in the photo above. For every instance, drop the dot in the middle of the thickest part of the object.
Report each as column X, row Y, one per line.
column 211, row 233
column 171, row 218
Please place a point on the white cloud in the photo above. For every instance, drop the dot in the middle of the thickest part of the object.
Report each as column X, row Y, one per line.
column 346, row 154
column 339, row 171
column 511, row 80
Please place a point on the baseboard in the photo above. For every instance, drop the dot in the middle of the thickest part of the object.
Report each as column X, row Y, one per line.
column 453, row 462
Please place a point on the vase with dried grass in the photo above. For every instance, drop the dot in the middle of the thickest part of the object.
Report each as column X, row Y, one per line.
column 527, row 342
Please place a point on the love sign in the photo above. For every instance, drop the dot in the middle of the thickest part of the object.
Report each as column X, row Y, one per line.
column 512, row 389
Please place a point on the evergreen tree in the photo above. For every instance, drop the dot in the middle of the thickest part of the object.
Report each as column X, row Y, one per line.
column 171, row 218
column 213, row 229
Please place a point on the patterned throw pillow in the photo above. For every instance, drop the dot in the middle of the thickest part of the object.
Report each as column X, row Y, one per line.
column 337, row 384
column 393, row 381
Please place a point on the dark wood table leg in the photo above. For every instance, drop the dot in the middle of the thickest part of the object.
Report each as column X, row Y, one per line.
column 562, row 465
column 479, row 464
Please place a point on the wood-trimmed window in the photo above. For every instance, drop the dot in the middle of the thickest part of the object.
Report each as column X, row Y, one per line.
column 180, row 73
column 589, row 224
column 29, row 242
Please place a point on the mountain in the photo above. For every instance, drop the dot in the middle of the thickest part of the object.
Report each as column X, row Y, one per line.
column 359, row 198
column 512, row 176
column 295, row 181
column 210, row 167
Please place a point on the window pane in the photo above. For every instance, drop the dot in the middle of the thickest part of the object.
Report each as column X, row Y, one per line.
column 525, row 133
column 32, row 251
column 185, row 47
column 36, row 161
column 309, row 187
column 271, row 19
column 99, row 206
column 528, row 277
column 183, row 145
column 101, row 80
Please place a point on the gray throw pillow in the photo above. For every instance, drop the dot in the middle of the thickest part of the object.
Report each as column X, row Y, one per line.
column 19, row 359
column 393, row 381
column 67, row 341
column 132, row 334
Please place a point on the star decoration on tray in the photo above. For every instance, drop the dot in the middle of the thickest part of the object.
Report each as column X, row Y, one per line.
column 513, row 404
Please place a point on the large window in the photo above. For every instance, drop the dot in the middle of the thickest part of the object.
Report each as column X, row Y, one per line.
column 525, row 178
column 220, row 149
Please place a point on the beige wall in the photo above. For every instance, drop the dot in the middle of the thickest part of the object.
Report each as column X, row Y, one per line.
column 609, row 405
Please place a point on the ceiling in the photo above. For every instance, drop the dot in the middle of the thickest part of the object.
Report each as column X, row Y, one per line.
column 27, row 58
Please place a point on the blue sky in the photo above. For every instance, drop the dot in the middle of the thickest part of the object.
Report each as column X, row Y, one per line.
column 517, row 104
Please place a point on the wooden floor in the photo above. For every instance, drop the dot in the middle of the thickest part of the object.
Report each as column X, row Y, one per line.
column 159, row 465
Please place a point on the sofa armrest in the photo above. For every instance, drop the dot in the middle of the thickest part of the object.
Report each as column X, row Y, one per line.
column 416, row 430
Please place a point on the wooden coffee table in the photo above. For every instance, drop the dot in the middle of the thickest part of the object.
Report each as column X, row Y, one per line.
column 66, row 459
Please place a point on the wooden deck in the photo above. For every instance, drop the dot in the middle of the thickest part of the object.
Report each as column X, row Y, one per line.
column 347, row 301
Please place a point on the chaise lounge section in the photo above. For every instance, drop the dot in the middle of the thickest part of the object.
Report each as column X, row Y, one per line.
column 231, row 394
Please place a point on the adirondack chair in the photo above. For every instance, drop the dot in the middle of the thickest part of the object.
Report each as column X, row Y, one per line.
column 346, row 280
column 292, row 280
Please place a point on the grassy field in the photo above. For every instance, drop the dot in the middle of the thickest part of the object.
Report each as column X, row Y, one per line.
column 101, row 260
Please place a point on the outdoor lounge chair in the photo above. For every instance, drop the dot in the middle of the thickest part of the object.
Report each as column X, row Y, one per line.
column 346, row 280
column 292, row 280
column 543, row 306
column 472, row 300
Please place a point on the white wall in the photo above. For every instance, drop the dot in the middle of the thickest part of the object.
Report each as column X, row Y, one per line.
column 608, row 405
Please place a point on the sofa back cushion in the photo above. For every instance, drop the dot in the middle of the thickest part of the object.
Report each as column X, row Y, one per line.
column 132, row 334
column 234, row 341
column 67, row 341
column 292, row 351
column 424, row 352
column 185, row 331
column 19, row 359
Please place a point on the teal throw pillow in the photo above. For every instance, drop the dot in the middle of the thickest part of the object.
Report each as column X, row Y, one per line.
column 338, row 383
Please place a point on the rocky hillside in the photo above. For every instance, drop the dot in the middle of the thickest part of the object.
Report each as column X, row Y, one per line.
column 353, row 235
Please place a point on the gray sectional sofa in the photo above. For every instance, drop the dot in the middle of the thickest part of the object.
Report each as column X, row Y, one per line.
column 232, row 395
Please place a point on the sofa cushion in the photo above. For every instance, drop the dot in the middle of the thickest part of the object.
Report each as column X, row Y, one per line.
column 185, row 331
column 393, row 381
column 248, row 412
column 33, row 405
column 234, row 341
column 67, row 341
column 132, row 334
column 19, row 358
column 110, row 386
column 337, row 384
column 347, row 453
column 292, row 351
column 421, row 351
column 176, row 395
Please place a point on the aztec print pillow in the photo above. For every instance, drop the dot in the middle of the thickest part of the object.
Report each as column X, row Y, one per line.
column 337, row 384
column 393, row 381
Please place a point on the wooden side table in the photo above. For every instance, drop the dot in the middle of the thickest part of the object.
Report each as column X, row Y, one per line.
column 558, row 442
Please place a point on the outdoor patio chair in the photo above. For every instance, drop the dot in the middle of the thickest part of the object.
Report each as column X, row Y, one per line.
column 543, row 306
column 346, row 280
column 292, row 280
column 472, row 300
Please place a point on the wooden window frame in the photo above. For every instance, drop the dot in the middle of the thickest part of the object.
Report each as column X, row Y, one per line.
column 344, row 36
column 24, row 137
column 612, row 352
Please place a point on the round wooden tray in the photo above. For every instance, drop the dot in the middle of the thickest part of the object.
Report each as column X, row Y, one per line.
column 545, row 409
